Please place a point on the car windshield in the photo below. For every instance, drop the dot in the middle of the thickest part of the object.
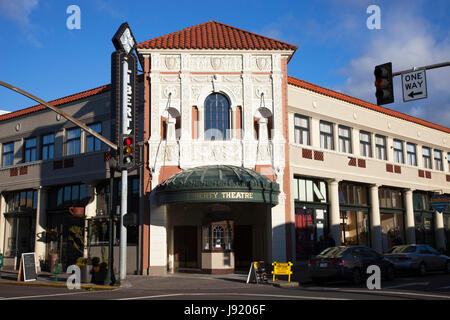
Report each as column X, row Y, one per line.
column 333, row 252
column 403, row 249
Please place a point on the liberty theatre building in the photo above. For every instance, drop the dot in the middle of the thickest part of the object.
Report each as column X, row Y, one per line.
column 247, row 163
column 242, row 162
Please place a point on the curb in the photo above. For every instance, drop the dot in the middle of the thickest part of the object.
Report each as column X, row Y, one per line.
column 57, row 285
column 286, row 284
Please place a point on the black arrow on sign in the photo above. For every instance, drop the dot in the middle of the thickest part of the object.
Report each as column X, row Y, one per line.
column 412, row 94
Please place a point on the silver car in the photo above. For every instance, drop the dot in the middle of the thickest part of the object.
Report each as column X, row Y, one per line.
column 419, row 258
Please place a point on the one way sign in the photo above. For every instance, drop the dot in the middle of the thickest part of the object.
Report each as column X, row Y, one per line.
column 414, row 85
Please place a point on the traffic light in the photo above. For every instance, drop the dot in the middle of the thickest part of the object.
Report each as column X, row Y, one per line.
column 383, row 83
column 127, row 152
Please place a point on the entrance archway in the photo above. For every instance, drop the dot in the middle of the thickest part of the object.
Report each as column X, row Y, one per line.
column 218, row 218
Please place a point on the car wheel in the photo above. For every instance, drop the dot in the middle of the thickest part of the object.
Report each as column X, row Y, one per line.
column 390, row 273
column 422, row 269
column 447, row 267
column 356, row 276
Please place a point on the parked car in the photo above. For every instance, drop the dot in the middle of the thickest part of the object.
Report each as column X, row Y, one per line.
column 419, row 258
column 348, row 262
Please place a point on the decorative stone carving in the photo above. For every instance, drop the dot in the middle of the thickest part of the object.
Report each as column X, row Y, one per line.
column 170, row 62
column 216, row 62
column 226, row 63
column 261, row 63
column 170, row 89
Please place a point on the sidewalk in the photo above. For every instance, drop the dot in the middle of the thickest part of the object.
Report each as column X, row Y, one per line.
column 187, row 280
column 47, row 279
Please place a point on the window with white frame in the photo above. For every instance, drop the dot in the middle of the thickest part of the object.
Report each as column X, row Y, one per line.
column 438, row 160
column 345, row 139
column 380, row 147
column 8, row 154
column 73, row 141
column 301, row 129
column 365, row 144
column 398, row 151
column 93, row 143
column 326, row 135
column 448, row 161
column 426, row 157
column 411, row 154
column 30, row 148
column 48, row 146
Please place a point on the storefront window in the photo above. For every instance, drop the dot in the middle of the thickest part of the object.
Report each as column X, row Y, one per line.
column 354, row 228
column 19, row 234
column 68, row 196
column 392, row 229
column 423, row 218
column 21, row 200
column 311, row 217
column 352, row 194
column 447, row 227
column 310, row 190
column 353, row 201
column 392, row 217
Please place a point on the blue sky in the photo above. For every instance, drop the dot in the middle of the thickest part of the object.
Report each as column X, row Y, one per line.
column 336, row 49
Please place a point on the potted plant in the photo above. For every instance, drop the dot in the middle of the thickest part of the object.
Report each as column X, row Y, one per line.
column 85, row 269
column 98, row 271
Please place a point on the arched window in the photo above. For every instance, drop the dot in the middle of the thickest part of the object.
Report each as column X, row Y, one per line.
column 218, row 237
column 217, row 117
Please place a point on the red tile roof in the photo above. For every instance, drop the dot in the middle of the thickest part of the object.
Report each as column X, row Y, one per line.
column 337, row 95
column 215, row 35
column 57, row 102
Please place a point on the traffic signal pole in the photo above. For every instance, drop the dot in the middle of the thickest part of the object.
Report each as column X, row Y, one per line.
column 62, row 113
column 431, row 66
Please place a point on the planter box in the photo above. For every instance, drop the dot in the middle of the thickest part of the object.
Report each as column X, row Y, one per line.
column 85, row 274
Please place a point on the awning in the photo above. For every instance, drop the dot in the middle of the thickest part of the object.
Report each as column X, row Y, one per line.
column 218, row 183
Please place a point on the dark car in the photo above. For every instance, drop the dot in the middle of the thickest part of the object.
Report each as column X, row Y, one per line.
column 348, row 262
column 418, row 258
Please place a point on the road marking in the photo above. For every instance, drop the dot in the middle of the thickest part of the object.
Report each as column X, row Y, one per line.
column 233, row 294
column 408, row 284
column 397, row 292
column 50, row 295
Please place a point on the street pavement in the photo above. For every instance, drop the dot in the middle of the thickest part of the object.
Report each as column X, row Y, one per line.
column 187, row 286
column 192, row 296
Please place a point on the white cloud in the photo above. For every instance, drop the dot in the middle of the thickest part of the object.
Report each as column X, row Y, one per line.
column 408, row 40
column 18, row 10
